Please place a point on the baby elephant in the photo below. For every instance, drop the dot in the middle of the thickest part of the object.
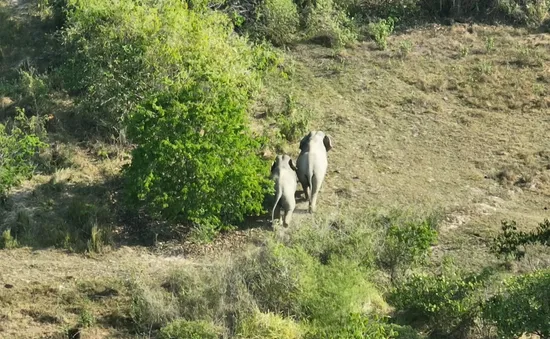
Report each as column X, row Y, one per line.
column 284, row 175
column 312, row 164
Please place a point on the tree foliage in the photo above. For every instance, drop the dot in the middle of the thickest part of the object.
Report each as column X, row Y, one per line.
column 185, row 82
column 512, row 243
column 120, row 54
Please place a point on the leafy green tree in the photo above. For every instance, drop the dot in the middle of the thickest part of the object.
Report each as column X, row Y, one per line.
column 195, row 159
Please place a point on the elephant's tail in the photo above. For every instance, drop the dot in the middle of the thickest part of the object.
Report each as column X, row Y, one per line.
column 278, row 195
column 310, row 184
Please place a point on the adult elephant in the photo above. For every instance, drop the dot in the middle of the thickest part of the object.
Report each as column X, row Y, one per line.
column 312, row 164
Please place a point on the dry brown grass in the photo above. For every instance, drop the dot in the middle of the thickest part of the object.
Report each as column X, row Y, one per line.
column 45, row 292
column 449, row 126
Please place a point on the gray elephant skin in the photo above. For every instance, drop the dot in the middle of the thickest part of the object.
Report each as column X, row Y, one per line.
column 312, row 164
column 283, row 172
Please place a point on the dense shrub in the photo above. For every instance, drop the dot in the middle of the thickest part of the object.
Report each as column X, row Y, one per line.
column 18, row 145
column 277, row 21
column 522, row 306
column 196, row 161
column 119, row 54
column 400, row 9
column 272, row 291
column 406, row 245
column 530, row 12
column 188, row 82
column 325, row 21
column 447, row 302
column 184, row 329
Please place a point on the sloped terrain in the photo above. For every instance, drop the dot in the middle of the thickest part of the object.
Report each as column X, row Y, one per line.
column 449, row 120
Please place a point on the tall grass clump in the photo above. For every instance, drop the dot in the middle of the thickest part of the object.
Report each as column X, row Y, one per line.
column 8, row 241
column 273, row 291
column 349, row 238
column 185, row 329
column 269, row 326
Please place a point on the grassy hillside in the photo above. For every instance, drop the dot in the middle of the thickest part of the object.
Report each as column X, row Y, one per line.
column 436, row 129
column 449, row 124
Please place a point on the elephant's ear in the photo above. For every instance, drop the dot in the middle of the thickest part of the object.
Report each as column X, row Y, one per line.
column 291, row 163
column 273, row 166
column 327, row 141
column 305, row 140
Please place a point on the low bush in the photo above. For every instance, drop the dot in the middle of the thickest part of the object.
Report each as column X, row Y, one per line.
column 511, row 243
column 185, row 329
column 86, row 318
column 448, row 302
column 380, row 31
column 287, row 280
column 19, row 143
column 406, row 243
column 277, row 277
column 521, row 306
column 341, row 288
column 278, row 21
column 328, row 23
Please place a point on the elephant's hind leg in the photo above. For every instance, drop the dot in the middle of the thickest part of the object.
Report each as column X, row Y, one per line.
column 289, row 207
column 307, row 190
column 316, row 183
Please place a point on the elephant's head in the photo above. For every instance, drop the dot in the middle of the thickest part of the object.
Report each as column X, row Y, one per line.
column 327, row 141
column 282, row 161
